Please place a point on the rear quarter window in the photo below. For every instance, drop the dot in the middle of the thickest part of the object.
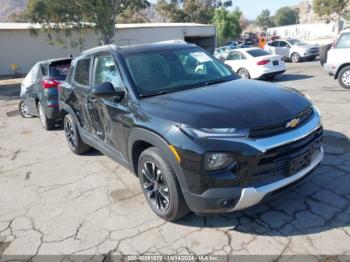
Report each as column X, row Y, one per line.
column 82, row 72
column 258, row 52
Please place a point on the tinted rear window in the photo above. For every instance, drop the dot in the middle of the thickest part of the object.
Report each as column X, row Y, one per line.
column 258, row 52
column 59, row 70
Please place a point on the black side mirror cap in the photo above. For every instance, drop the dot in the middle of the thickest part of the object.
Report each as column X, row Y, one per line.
column 106, row 90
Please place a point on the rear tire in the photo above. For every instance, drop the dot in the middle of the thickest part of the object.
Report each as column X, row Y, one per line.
column 46, row 123
column 74, row 140
column 344, row 77
column 160, row 186
column 295, row 58
column 24, row 110
column 244, row 73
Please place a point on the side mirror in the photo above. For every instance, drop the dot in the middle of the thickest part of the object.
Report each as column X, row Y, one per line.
column 106, row 90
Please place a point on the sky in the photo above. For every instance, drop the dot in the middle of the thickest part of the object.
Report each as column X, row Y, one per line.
column 252, row 8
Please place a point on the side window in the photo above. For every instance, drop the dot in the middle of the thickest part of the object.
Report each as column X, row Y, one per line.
column 234, row 56
column 283, row 44
column 107, row 71
column 82, row 72
column 344, row 41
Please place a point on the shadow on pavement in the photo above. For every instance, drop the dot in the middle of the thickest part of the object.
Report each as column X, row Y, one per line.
column 291, row 77
column 319, row 203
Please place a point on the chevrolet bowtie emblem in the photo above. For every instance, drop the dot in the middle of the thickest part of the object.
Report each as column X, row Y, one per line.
column 293, row 123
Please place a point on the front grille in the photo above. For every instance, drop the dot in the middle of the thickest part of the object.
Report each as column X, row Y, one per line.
column 281, row 127
column 278, row 160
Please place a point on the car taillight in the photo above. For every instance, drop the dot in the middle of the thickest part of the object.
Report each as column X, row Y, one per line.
column 48, row 83
column 263, row 62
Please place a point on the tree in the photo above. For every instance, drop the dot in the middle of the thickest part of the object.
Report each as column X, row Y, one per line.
column 326, row 8
column 285, row 16
column 194, row 11
column 67, row 16
column 264, row 20
column 227, row 24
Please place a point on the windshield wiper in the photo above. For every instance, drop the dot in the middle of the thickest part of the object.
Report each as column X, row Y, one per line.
column 153, row 94
column 218, row 81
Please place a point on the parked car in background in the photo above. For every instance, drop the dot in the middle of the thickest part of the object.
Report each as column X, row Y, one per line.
column 255, row 63
column 222, row 52
column 197, row 137
column 232, row 44
column 338, row 60
column 39, row 95
column 293, row 49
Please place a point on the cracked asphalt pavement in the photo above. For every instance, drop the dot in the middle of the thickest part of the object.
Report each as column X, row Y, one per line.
column 54, row 202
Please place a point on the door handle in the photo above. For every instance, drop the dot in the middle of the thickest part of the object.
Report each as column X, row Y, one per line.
column 92, row 100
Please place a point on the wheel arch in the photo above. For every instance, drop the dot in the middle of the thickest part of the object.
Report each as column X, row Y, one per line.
column 340, row 68
column 140, row 139
column 66, row 109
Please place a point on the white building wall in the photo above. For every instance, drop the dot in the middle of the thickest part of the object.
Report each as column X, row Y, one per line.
column 307, row 32
column 17, row 46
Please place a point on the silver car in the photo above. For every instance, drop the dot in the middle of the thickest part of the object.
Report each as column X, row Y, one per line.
column 293, row 49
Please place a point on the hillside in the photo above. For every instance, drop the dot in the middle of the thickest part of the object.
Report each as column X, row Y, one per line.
column 8, row 7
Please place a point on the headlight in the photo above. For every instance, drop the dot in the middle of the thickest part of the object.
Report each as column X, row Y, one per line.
column 216, row 161
column 214, row 132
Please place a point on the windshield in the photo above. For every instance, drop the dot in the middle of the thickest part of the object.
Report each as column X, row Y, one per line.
column 296, row 42
column 166, row 71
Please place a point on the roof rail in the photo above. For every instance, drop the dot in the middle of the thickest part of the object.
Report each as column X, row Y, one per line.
column 175, row 41
column 100, row 48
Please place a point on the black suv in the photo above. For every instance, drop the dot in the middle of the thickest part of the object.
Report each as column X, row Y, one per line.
column 39, row 94
column 197, row 137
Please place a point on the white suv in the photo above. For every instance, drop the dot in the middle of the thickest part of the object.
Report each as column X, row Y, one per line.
column 293, row 49
column 338, row 60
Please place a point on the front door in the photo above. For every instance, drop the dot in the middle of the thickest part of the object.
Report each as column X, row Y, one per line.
column 107, row 114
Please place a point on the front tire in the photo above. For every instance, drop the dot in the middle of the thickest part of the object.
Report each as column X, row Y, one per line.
column 295, row 58
column 160, row 186
column 311, row 58
column 46, row 123
column 73, row 137
column 344, row 77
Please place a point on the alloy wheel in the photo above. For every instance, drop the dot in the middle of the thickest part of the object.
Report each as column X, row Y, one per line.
column 243, row 74
column 69, row 131
column 295, row 58
column 346, row 78
column 155, row 186
column 25, row 110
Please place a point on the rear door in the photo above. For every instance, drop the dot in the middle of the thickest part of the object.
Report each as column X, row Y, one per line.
column 34, row 89
column 236, row 60
column 81, row 82
column 283, row 49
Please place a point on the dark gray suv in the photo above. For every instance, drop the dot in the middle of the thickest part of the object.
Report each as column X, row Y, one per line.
column 39, row 95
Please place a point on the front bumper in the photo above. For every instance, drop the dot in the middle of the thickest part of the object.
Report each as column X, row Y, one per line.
column 309, row 53
column 330, row 69
column 265, row 172
column 251, row 196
